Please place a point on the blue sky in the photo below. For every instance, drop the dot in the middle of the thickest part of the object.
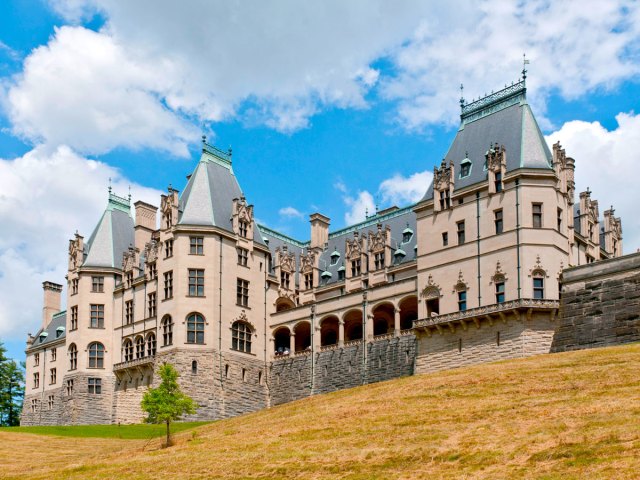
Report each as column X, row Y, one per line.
column 329, row 106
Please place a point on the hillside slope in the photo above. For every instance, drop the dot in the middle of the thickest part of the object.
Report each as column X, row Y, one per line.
column 570, row 415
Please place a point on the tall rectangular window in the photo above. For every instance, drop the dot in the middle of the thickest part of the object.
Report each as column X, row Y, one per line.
column 498, row 182
column 52, row 376
column 538, row 287
column 128, row 312
column 168, row 248
column 74, row 286
column 379, row 260
column 355, row 268
column 499, row 292
column 243, row 256
column 498, row 221
column 151, row 305
column 95, row 386
column 284, row 279
column 445, row 239
column 97, row 284
column 196, row 245
column 54, row 354
column 536, row 209
column 69, row 387
column 97, row 316
column 74, row 318
column 460, row 226
column 196, row 282
column 36, row 380
column 168, row 285
column 129, row 279
column 243, row 229
column 36, row 359
column 462, row 300
column 445, row 199
column 559, row 219
column 242, row 292
column 50, row 401
column 308, row 281
column 153, row 271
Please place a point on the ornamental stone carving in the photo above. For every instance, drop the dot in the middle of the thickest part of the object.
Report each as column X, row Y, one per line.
column 538, row 270
column 286, row 260
column 354, row 247
column 378, row 240
column 130, row 259
column 151, row 251
column 461, row 285
column 307, row 262
column 431, row 290
column 443, row 176
column 76, row 252
column 496, row 158
column 499, row 275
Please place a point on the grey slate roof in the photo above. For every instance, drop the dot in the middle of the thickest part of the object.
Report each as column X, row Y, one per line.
column 397, row 220
column 112, row 236
column 208, row 197
column 509, row 122
column 57, row 324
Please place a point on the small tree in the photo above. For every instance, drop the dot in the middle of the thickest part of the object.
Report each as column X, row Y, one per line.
column 167, row 403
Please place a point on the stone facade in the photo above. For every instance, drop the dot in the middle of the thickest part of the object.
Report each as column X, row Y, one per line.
column 251, row 317
column 600, row 305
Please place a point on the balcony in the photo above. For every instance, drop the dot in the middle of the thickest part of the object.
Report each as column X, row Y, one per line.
column 139, row 365
column 515, row 309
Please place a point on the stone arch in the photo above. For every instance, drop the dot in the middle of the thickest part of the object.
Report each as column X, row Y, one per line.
column 353, row 325
column 127, row 350
column 329, row 327
column 383, row 318
column 284, row 303
column 408, row 311
column 150, row 341
column 281, row 340
column 139, row 343
column 303, row 335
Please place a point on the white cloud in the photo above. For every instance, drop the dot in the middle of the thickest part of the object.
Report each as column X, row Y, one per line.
column 359, row 206
column 84, row 90
column 290, row 212
column 400, row 190
column 483, row 49
column 607, row 163
column 46, row 197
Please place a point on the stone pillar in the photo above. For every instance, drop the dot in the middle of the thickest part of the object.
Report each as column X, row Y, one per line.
column 341, row 333
column 396, row 322
column 272, row 348
column 369, row 333
column 292, row 343
column 316, row 339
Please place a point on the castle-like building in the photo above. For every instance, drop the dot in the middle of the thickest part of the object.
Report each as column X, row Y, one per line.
column 251, row 317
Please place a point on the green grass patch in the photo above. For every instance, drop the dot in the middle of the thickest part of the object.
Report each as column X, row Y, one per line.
column 129, row 432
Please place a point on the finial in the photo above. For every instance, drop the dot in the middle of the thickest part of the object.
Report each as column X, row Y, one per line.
column 170, row 187
column 109, row 185
column 204, row 138
column 588, row 191
column 230, row 151
column 129, row 193
column 366, row 212
column 525, row 62
column 461, row 96
column 466, row 154
column 612, row 210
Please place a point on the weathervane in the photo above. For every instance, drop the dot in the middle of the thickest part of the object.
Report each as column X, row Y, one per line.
column 525, row 62
column 461, row 96
column 109, row 185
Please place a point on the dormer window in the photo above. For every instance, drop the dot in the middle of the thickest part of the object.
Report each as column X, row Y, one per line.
column 335, row 257
column 465, row 168
column 407, row 234
column 341, row 272
column 243, row 228
column 445, row 200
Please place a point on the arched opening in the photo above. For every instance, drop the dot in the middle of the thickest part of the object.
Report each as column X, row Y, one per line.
column 284, row 303
column 151, row 344
column 303, row 336
column 127, row 350
column 167, row 330
column 194, row 367
column 408, row 312
column 329, row 330
column 353, row 325
column 195, row 328
column 139, row 347
column 383, row 319
column 281, row 339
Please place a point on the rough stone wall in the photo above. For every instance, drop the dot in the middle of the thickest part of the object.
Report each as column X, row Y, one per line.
column 128, row 395
column 600, row 305
column 79, row 408
column 518, row 338
column 340, row 368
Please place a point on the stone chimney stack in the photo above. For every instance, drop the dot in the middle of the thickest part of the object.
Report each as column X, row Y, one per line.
column 319, row 230
column 145, row 223
column 52, row 301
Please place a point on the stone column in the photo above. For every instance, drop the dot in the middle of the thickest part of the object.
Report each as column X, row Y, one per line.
column 341, row 333
column 292, row 343
column 396, row 322
column 272, row 348
column 316, row 339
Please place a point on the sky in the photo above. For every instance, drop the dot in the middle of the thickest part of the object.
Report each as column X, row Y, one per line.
column 339, row 107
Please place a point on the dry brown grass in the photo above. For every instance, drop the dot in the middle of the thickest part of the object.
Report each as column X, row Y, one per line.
column 574, row 415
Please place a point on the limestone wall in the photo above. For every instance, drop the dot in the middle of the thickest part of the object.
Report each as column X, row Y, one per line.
column 600, row 305
column 290, row 379
column 500, row 341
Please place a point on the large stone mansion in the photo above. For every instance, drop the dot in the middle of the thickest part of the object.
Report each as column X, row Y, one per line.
column 252, row 318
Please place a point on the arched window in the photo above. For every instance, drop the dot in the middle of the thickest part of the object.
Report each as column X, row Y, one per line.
column 96, row 355
column 241, row 337
column 194, row 367
column 127, row 348
column 195, row 328
column 167, row 331
column 139, row 347
column 73, row 356
column 151, row 345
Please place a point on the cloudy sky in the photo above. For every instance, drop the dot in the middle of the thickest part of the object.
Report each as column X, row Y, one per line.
column 334, row 106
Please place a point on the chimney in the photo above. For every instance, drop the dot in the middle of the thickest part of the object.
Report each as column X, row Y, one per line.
column 52, row 297
column 145, row 223
column 319, row 230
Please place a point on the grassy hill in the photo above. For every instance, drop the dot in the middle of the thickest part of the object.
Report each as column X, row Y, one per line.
column 573, row 415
